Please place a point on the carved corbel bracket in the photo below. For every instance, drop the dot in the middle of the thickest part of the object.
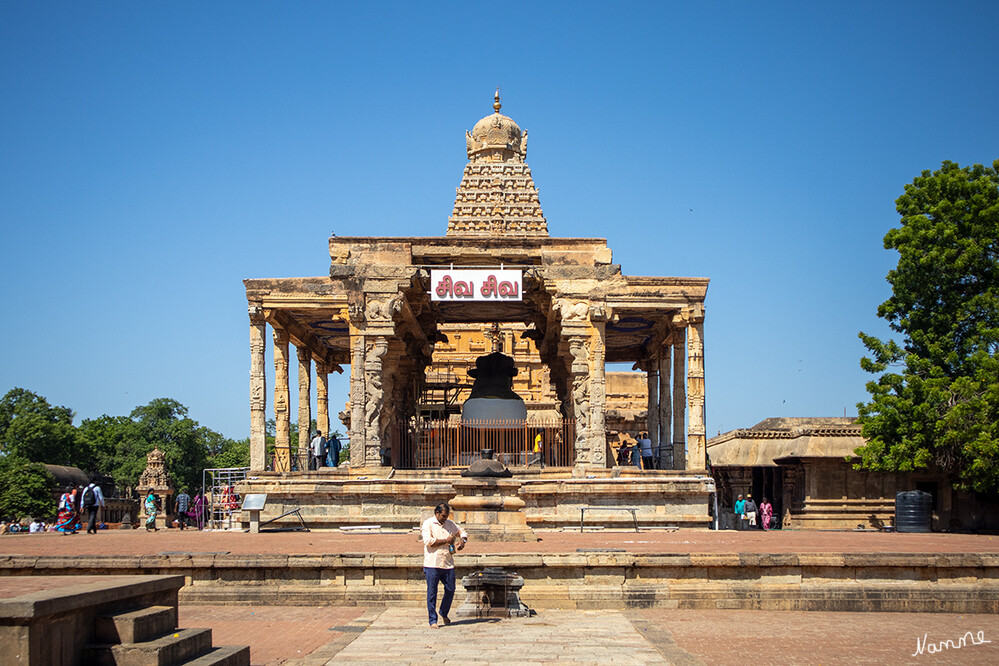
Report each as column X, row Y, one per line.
column 383, row 309
column 355, row 311
column 256, row 312
column 571, row 310
column 694, row 313
column 601, row 312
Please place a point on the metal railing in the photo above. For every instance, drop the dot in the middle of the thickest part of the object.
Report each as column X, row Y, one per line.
column 436, row 444
column 300, row 460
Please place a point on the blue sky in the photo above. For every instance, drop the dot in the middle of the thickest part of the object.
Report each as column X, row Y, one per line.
column 152, row 155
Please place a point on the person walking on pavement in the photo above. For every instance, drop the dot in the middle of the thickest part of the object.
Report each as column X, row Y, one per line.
column 766, row 513
column 151, row 506
column 751, row 511
column 92, row 502
column 182, row 504
column 441, row 537
column 740, row 513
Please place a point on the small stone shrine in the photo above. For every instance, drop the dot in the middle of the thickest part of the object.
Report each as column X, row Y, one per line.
column 493, row 592
column 156, row 478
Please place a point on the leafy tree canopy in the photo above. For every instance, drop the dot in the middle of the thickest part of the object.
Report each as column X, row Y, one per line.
column 121, row 443
column 25, row 489
column 936, row 399
column 34, row 430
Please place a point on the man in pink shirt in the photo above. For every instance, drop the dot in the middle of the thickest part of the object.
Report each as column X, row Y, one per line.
column 441, row 537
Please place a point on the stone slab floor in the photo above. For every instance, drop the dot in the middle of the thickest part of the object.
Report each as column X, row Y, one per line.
column 298, row 636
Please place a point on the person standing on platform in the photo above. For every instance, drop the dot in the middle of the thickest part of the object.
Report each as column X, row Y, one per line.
column 316, row 452
column 623, row 454
column 636, row 455
column 334, row 447
column 92, row 502
column 441, row 537
column 740, row 513
column 539, row 450
column 645, row 445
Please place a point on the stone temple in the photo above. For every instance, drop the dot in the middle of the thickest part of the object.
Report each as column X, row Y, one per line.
column 393, row 309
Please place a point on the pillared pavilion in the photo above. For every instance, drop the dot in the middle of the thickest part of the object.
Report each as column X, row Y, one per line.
column 389, row 302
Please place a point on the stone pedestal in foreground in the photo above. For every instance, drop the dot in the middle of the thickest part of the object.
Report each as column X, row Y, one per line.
column 493, row 592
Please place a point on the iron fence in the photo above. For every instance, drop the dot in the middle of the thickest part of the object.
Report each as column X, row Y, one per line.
column 439, row 443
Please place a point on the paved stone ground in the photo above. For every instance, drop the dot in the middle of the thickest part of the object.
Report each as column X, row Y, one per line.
column 399, row 635
column 275, row 634
column 281, row 634
column 132, row 542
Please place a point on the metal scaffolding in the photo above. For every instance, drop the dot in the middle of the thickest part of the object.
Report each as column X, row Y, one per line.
column 222, row 502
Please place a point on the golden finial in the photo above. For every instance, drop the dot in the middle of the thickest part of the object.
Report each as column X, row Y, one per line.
column 496, row 102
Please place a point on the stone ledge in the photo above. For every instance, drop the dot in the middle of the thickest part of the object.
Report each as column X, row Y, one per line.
column 918, row 581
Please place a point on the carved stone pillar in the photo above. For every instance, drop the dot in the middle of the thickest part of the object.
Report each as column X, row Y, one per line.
column 304, row 398
column 258, row 389
column 696, row 439
column 598, row 395
column 579, row 371
column 652, row 414
column 374, row 349
column 282, row 419
column 664, row 448
column 323, row 398
column 356, row 399
column 679, row 399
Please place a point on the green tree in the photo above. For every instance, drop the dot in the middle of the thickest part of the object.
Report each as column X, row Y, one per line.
column 25, row 489
column 232, row 453
column 935, row 402
column 32, row 429
column 103, row 437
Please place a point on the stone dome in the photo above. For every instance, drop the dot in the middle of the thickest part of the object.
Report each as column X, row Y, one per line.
column 496, row 137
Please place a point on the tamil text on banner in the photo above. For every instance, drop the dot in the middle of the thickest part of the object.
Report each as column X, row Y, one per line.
column 475, row 284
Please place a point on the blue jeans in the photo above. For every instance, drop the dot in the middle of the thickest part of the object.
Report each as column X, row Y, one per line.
column 435, row 576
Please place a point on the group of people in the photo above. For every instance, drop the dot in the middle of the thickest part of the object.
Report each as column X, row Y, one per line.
column 14, row 527
column 750, row 516
column 638, row 454
column 323, row 452
column 187, row 511
column 74, row 504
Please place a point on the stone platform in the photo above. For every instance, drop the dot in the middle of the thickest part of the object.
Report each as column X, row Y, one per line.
column 67, row 620
column 683, row 570
column 338, row 497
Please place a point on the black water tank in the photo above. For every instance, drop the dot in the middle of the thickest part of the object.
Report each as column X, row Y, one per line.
column 913, row 511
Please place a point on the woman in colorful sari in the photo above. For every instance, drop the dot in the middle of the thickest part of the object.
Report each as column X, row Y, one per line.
column 197, row 511
column 151, row 508
column 766, row 512
column 66, row 521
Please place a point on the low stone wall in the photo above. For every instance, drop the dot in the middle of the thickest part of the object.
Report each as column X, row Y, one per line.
column 338, row 498
column 962, row 583
column 51, row 627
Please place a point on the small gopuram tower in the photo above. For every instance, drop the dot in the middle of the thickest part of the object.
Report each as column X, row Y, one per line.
column 155, row 477
column 387, row 302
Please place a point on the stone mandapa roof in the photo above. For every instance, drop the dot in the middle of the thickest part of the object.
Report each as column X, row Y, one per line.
column 776, row 438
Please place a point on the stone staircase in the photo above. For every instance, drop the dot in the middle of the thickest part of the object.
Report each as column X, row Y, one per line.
column 150, row 637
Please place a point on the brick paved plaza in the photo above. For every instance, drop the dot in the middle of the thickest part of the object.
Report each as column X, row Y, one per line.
column 309, row 636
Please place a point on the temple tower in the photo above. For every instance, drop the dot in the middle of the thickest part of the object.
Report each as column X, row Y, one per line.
column 497, row 195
